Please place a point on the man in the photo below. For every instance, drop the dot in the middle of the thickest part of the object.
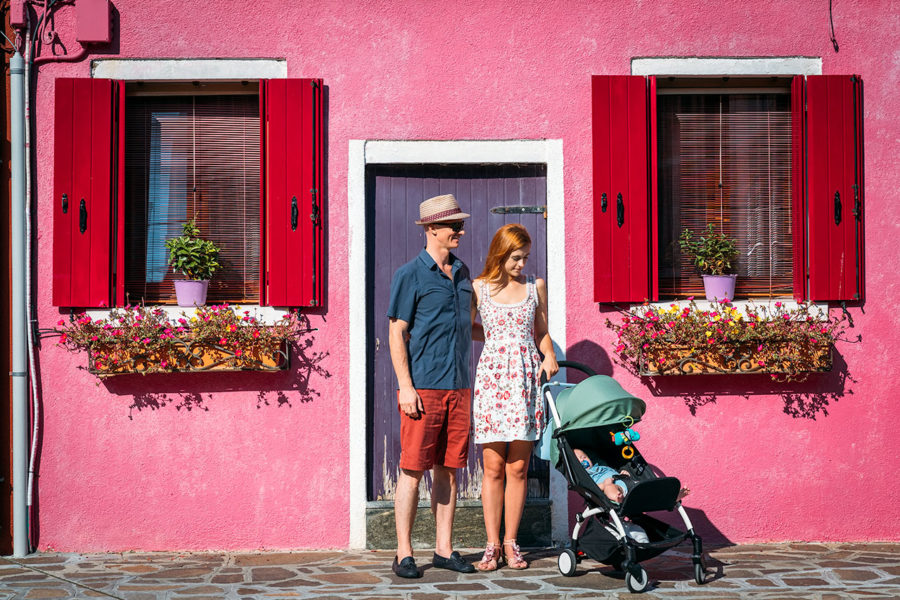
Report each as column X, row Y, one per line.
column 430, row 336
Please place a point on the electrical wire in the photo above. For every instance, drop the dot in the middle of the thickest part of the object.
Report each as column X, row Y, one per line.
column 831, row 20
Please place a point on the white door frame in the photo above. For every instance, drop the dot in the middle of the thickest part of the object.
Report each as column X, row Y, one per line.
column 368, row 152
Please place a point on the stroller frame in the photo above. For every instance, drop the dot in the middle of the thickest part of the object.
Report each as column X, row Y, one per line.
column 651, row 493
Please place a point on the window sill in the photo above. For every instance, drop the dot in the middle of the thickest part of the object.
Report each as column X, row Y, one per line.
column 816, row 309
column 266, row 315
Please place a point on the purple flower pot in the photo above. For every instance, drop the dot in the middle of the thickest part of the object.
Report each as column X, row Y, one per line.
column 191, row 292
column 719, row 287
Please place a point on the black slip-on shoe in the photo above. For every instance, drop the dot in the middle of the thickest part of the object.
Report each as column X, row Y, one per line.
column 406, row 568
column 454, row 563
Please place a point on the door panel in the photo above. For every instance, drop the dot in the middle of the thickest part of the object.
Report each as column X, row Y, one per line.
column 393, row 197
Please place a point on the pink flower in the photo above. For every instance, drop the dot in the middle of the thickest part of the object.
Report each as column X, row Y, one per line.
column 256, row 334
column 163, row 364
column 61, row 323
column 238, row 352
column 761, row 363
column 223, row 341
column 778, row 305
column 759, row 348
column 63, row 338
column 94, row 338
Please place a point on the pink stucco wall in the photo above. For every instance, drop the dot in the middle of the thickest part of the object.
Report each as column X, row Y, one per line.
column 253, row 462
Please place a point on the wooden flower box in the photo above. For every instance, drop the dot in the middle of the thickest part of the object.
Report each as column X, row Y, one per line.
column 186, row 356
column 727, row 359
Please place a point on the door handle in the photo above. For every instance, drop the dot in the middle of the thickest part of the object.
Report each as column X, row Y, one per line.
column 837, row 207
column 620, row 210
column 295, row 213
column 603, row 202
column 65, row 203
column 82, row 216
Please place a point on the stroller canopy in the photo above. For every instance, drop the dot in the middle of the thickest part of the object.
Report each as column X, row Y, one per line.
column 595, row 402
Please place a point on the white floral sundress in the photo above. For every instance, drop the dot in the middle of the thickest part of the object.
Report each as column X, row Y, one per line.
column 506, row 406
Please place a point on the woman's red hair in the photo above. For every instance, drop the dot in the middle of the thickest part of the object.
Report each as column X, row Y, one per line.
column 507, row 240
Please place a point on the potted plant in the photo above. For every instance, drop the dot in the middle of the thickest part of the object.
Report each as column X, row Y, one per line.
column 712, row 254
column 197, row 259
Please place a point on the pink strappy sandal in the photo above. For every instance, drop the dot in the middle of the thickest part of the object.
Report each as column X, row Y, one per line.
column 491, row 559
column 513, row 555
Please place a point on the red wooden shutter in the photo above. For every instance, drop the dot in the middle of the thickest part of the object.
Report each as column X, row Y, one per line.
column 834, row 187
column 624, row 131
column 84, row 192
column 798, row 184
column 292, row 148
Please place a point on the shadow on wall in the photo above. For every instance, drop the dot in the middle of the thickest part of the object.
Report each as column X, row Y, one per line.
column 807, row 399
column 194, row 391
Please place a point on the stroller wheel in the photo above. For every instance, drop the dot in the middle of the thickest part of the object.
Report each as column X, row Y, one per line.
column 567, row 562
column 639, row 582
column 700, row 571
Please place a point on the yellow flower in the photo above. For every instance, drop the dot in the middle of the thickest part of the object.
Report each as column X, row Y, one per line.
column 708, row 333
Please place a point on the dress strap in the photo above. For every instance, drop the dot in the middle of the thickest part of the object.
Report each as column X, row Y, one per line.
column 484, row 296
column 532, row 288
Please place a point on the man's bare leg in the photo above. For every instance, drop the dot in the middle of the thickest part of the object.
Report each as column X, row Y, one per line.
column 443, row 506
column 406, row 500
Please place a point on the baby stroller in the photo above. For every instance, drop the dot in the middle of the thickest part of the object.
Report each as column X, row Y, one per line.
column 588, row 415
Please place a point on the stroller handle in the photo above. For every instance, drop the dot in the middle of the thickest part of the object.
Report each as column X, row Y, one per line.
column 570, row 364
column 563, row 364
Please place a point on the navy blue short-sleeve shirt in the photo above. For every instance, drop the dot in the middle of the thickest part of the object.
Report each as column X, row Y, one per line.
column 438, row 311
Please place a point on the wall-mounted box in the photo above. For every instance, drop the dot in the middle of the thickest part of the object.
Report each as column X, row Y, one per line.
column 92, row 21
column 17, row 13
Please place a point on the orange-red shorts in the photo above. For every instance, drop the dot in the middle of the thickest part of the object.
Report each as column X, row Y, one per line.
column 441, row 435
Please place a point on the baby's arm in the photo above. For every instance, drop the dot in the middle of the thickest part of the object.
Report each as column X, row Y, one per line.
column 612, row 491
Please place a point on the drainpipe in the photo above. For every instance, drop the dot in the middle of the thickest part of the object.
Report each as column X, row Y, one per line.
column 19, row 372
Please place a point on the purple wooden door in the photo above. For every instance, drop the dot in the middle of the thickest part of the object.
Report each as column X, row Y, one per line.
column 487, row 192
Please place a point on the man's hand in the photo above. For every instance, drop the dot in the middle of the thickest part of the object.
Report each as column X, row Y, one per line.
column 410, row 403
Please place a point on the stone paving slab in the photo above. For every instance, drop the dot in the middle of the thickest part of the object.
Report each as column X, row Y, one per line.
column 767, row 572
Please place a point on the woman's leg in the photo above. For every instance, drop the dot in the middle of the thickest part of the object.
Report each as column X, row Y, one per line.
column 517, row 458
column 494, row 457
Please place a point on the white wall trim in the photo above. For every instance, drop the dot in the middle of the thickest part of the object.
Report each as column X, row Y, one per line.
column 189, row 69
column 362, row 153
column 727, row 65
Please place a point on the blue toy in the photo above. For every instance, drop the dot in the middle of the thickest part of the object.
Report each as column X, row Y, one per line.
column 625, row 437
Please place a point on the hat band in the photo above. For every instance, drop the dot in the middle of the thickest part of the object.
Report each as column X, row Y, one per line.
column 440, row 215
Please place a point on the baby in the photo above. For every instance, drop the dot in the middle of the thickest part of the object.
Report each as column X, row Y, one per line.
column 614, row 489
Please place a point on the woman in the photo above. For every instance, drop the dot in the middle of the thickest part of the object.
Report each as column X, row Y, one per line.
column 508, row 416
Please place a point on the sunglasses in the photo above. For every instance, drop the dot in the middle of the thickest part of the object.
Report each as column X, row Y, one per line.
column 456, row 226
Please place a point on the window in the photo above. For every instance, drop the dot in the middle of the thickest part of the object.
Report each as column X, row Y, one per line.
column 192, row 157
column 725, row 158
column 776, row 164
column 129, row 169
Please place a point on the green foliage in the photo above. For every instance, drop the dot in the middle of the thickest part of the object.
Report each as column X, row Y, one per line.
column 191, row 255
column 164, row 344
column 789, row 338
column 712, row 253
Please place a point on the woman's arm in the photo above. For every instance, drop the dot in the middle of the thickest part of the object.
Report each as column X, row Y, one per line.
column 477, row 328
column 541, row 332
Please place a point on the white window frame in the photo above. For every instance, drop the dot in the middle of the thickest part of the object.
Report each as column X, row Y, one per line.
column 734, row 66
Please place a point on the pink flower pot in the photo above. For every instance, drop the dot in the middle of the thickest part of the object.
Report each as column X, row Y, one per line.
column 191, row 292
column 719, row 287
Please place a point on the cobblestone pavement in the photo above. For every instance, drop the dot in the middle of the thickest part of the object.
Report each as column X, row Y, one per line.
column 776, row 571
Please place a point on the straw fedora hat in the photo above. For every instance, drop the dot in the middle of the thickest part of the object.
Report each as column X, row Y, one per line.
column 440, row 209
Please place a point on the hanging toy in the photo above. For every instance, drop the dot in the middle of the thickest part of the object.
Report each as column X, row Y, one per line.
column 626, row 438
